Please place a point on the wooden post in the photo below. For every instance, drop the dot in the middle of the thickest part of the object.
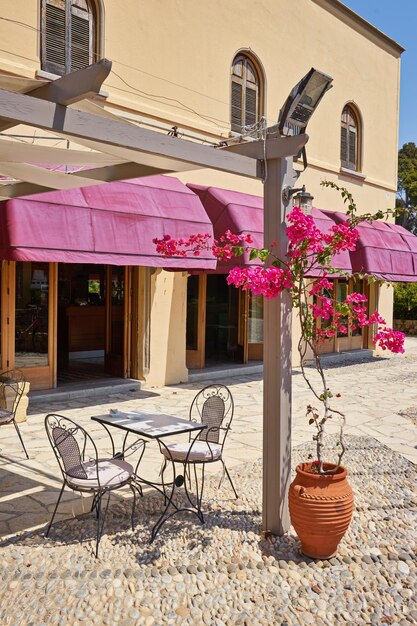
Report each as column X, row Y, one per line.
column 277, row 362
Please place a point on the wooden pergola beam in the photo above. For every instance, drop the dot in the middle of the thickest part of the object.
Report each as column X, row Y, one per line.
column 76, row 86
column 276, row 147
column 71, row 88
column 83, row 178
column 17, row 152
column 23, row 109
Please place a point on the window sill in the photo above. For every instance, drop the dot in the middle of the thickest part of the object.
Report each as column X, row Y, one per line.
column 48, row 76
column 352, row 174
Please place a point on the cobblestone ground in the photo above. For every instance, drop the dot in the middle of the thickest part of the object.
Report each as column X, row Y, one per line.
column 224, row 573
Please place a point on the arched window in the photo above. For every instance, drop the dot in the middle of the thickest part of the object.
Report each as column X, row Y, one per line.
column 246, row 93
column 350, row 138
column 69, row 35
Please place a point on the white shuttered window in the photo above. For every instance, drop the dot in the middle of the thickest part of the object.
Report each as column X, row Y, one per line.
column 245, row 95
column 68, row 35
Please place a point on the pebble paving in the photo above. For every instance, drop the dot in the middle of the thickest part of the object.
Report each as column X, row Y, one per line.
column 225, row 573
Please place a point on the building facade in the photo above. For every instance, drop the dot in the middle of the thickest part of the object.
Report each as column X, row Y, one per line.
column 205, row 72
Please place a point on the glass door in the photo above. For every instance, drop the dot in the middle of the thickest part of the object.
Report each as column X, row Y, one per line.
column 33, row 324
column 255, row 328
column 196, row 321
column 354, row 339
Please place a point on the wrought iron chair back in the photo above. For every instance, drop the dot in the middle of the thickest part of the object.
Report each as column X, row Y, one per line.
column 214, row 407
column 12, row 386
column 70, row 443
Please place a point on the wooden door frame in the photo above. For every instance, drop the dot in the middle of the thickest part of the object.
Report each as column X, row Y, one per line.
column 196, row 359
column 242, row 325
column 5, row 316
column 127, row 325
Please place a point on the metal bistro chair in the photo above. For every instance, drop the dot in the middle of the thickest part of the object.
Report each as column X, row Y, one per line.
column 83, row 470
column 12, row 385
column 214, row 407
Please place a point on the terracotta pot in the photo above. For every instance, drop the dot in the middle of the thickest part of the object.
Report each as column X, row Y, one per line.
column 321, row 509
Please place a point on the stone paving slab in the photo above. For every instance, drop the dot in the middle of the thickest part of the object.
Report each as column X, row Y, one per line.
column 225, row 573
column 377, row 396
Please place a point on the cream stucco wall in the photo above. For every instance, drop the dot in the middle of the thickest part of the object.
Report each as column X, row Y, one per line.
column 171, row 65
column 167, row 329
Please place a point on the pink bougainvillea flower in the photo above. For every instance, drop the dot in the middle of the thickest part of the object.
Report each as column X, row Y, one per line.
column 389, row 339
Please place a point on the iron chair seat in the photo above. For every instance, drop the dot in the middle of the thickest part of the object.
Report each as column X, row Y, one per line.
column 111, row 474
column 83, row 470
column 200, row 452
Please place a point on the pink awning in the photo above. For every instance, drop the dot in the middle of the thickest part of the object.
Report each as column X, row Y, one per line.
column 385, row 250
column 112, row 223
column 242, row 213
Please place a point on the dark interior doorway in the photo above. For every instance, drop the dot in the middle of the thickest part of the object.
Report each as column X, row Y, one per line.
column 87, row 327
column 222, row 314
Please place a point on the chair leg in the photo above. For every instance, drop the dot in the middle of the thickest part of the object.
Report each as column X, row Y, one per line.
column 55, row 510
column 94, row 504
column 230, row 480
column 20, row 437
column 187, row 474
column 133, row 505
column 161, row 473
column 100, row 523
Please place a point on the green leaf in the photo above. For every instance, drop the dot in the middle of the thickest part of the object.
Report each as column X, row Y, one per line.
column 263, row 254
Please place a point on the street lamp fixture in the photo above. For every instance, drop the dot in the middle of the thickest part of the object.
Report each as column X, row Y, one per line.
column 302, row 102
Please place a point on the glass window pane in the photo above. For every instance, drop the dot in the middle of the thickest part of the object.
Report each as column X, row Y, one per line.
column 250, row 73
column 238, row 69
column 256, row 319
column 31, row 331
column 342, row 292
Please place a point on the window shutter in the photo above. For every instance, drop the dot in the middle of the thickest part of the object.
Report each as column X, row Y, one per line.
column 81, row 40
column 344, row 147
column 352, row 149
column 54, row 38
column 236, row 116
column 251, row 100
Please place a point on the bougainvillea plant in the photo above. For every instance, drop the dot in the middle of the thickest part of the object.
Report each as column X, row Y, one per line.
column 310, row 252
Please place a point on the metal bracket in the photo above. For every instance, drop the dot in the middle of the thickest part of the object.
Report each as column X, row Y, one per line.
column 288, row 191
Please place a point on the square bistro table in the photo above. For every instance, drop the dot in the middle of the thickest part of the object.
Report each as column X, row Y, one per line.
column 156, row 426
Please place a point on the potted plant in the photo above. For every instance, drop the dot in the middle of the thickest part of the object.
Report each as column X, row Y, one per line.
column 320, row 498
